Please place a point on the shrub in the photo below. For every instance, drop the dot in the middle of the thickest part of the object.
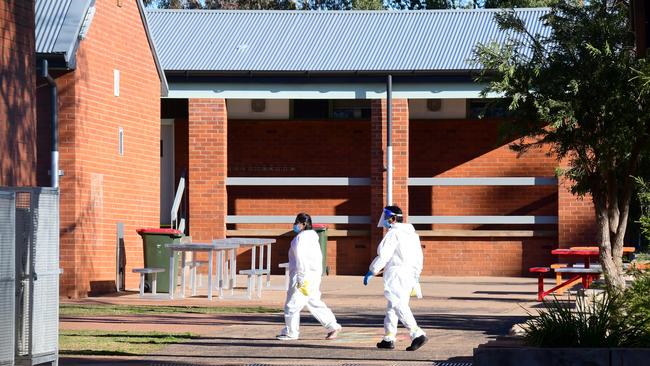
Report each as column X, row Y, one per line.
column 643, row 193
column 637, row 297
column 602, row 320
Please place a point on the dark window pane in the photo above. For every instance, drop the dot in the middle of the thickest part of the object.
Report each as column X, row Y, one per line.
column 478, row 108
column 310, row 109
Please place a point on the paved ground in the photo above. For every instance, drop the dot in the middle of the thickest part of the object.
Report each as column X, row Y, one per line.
column 457, row 313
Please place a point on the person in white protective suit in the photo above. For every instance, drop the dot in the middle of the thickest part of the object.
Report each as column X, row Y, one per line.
column 305, row 271
column 400, row 256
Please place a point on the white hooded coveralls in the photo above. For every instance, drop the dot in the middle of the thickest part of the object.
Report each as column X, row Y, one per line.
column 306, row 264
column 400, row 255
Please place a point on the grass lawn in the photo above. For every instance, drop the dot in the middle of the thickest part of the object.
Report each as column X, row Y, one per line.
column 81, row 310
column 100, row 342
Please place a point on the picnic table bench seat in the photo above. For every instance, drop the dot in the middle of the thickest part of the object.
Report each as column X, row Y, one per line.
column 145, row 271
column 254, row 274
column 587, row 275
column 592, row 269
column 286, row 274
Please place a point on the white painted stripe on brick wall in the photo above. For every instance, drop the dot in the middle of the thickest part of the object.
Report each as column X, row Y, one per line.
column 297, row 181
column 339, row 219
column 483, row 219
column 484, row 181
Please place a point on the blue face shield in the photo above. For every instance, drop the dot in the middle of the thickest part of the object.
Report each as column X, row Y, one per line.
column 383, row 220
column 297, row 228
column 386, row 224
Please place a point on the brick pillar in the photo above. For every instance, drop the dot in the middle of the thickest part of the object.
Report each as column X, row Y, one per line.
column 207, row 171
column 378, row 162
column 17, row 94
column 576, row 218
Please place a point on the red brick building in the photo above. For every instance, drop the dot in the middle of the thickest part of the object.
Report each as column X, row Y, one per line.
column 17, row 94
column 274, row 113
column 109, row 90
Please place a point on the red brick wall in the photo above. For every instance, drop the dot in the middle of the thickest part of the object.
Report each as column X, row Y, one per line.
column 343, row 148
column 101, row 188
column 207, row 159
column 302, row 148
column 466, row 148
column 577, row 224
column 17, row 91
column 299, row 148
column 484, row 256
column 378, row 175
column 470, row 148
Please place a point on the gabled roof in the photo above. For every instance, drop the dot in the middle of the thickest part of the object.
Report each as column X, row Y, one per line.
column 61, row 24
column 58, row 26
column 325, row 41
column 164, row 87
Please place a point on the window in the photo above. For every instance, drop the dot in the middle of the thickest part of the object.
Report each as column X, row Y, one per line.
column 486, row 108
column 350, row 109
column 310, row 109
column 330, row 109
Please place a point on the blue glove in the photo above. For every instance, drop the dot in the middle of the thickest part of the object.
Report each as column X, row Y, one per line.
column 366, row 278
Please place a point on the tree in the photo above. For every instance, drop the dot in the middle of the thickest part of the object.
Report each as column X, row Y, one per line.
column 367, row 5
column 581, row 91
column 518, row 3
column 224, row 4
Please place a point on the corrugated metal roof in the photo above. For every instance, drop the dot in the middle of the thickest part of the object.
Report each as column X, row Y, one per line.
column 281, row 41
column 58, row 24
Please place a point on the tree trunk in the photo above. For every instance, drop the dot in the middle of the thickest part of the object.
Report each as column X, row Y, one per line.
column 609, row 249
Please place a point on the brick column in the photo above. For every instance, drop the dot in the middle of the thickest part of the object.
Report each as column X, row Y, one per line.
column 207, row 171
column 576, row 218
column 378, row 162
column 18, row 94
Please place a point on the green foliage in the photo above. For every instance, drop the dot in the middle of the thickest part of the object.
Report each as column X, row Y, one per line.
column 224, row 4
column 367, row 5
column 343, row 5
column 518, row 3
column 637, row 297
column 579, row 90
column 583, row 81
column 598, row 321
column 643, row 193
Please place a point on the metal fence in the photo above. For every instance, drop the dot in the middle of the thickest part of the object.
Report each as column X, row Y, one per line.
column 36, row 274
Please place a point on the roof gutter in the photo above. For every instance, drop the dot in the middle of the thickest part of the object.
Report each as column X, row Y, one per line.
column 325, row 73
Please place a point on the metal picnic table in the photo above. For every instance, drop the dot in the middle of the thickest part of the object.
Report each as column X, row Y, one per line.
column 220, row 246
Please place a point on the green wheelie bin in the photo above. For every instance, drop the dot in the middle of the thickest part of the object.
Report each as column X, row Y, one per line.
column 156, row 255
column 321, row 230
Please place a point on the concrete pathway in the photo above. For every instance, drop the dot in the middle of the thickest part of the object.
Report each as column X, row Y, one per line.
column 457, row 313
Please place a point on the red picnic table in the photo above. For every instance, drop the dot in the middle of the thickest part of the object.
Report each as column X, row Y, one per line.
column 585, row 273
